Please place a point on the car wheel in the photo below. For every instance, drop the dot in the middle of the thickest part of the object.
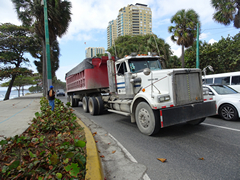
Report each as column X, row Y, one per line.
column 196, row 121
column 228, row 112
column 147, row 120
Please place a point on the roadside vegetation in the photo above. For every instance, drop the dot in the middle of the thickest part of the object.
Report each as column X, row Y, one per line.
column 53, row 147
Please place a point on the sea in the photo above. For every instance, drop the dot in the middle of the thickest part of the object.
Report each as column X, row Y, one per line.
column 13, row 94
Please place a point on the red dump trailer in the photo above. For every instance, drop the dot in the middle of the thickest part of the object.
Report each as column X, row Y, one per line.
column 88, row 77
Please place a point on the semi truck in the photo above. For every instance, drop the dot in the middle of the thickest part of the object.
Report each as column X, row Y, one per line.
column 138, row 87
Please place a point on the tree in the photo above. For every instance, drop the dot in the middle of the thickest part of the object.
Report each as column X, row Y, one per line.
column 142, row 44
column 184, row 32
column 223, row 55
column 14, row 42
column 227, row 11
column 31, row 13
column 20, row 82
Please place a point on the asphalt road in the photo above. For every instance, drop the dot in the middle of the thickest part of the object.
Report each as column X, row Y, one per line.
column 207, row 151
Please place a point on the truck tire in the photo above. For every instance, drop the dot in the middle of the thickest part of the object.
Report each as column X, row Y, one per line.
column 85, row 104
column 100, row 105
column 93, row 106
column 196, row 121
column 73, row 101
column 148, row 121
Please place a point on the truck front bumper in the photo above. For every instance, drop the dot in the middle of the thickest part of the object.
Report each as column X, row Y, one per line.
column 176, row 115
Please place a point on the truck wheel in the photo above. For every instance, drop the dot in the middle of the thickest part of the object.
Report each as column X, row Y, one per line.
column 100, row 105
column 73, row 101
column 196, row 121
column 93, row 106
column 148, row 121
column 85, row 104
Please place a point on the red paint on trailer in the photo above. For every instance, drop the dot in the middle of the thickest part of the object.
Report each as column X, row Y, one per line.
column 94, row 78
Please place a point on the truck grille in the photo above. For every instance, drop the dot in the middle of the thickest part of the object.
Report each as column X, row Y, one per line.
column 187, row 87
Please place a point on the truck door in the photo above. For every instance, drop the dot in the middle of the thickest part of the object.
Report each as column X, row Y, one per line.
column 120, row 70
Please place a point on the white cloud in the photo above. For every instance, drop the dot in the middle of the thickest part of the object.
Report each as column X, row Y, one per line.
column 61, row 72
column 8, row 13
column 177, row 50
column 211, row 41
column 203, row 35
column 170, row 7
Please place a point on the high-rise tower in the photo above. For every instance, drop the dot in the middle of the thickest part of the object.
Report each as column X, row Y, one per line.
column 131, row 20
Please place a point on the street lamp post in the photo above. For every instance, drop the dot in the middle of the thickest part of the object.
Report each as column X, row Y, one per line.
column 47, row 45
column 197, row 50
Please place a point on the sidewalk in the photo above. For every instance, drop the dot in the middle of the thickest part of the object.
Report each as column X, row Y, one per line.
column 16, row 114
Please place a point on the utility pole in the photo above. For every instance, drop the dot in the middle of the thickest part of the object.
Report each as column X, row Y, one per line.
column 47, row 46
column 197, row 50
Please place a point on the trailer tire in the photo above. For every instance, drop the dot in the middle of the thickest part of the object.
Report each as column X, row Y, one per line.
column 148, row 121
column 72, row 101
column 100, row 105
column 85, row 104
column 93, row 106
column 196, row 121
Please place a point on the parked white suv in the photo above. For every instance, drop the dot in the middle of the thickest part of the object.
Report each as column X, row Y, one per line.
column 227, row 101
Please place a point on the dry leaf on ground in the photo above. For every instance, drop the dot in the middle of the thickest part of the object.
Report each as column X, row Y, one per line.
column 162, row 159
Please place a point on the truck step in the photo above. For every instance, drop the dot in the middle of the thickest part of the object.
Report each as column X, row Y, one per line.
column 119, row 112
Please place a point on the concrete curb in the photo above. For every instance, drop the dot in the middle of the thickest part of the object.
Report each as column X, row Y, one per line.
column 93, row 164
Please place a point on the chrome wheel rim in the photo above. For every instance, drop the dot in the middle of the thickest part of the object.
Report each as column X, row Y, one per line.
column 144, row 118
column 228, row 112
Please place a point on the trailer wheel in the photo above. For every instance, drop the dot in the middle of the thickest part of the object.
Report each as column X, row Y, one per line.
column 100, row 105
column 196, row 121
column 148, row 121
column 71, row 100
column 85, row 104
column 93, row 106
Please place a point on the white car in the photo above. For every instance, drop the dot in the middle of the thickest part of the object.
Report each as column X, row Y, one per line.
column 227, row 101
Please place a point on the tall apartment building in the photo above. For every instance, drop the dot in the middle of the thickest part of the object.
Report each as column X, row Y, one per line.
column 93, row 51
column 133, row 20
column 111, row 32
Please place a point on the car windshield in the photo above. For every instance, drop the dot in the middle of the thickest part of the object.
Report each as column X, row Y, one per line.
column 60, row 90
column 222, row 89
column 138, row 65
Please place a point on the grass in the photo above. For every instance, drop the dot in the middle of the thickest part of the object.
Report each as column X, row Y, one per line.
column 53, row 147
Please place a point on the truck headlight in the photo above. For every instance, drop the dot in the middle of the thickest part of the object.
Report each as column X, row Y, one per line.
column 164, row 98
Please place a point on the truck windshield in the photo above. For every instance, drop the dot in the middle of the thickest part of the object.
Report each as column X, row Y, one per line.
column 138, row 65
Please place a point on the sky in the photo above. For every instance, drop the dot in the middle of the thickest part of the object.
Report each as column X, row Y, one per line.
column 90, row 20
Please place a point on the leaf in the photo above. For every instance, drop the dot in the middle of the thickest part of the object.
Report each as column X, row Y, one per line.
column 32, row 155
column 69, row 155
column 54, row 159
column 201, row 158
column 66, row 161
column 162, row 159
column 96, row 141
column 73, row 169
column 94, row 133
column 113, row 152
column 50, row 167
column 102, row 156
column 14, row 165
column 80, row 144
column 2, row 142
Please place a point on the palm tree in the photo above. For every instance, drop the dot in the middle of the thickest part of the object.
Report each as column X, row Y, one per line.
column 31, row 14
column 227, row 11
column 185, row 29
